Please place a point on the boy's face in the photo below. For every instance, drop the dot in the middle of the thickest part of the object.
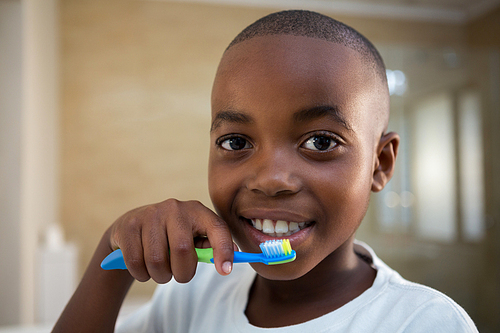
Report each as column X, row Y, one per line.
column 296, row 123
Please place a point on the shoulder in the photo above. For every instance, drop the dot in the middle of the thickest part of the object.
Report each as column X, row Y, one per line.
column 427, row 308
column 416, row 308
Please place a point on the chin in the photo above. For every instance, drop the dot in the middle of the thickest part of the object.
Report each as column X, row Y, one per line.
column 282, row 272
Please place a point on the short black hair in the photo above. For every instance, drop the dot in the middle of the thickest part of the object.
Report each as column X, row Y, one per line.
column 315, row 25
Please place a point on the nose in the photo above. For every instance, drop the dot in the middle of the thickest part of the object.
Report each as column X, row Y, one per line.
column 274, row 173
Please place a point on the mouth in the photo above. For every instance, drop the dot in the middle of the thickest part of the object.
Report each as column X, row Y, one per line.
column 277, row 228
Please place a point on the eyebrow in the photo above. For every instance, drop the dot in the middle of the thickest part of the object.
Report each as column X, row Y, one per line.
column 300, row 116
column 320, row 112
column 230, row 116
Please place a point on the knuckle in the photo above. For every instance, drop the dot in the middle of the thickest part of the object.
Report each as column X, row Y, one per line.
column 182, row 249
column 135, row 263
column 134, row 223
column 150, row 210
column 171, row 204
column 156, row 261
column 172, row 208
column 148, row 216
column 223, row 240
column 223, row 248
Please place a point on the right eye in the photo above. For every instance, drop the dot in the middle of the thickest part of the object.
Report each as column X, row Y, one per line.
column 235, row 143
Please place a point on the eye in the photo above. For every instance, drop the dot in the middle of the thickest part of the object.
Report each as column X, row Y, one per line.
column 235, row 143
column 320, row 143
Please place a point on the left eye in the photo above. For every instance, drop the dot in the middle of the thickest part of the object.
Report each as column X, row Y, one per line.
column 319, row 142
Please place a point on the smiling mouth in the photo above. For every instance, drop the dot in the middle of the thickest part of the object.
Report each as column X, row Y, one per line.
column 277, row 228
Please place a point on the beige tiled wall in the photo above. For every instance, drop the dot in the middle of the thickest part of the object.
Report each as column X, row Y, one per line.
column 135, row 102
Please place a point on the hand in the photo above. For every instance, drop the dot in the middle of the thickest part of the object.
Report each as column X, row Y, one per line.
column 147, row 234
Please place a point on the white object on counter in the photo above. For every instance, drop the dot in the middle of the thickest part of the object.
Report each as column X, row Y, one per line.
column 57, row 274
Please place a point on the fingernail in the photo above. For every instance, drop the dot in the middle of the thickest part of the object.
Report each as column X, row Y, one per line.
column 227, row 267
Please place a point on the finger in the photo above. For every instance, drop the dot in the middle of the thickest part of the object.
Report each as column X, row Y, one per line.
column 183, row 258
column 133, row 254
column 204, row 242
column 156, row 258
column 221, row 241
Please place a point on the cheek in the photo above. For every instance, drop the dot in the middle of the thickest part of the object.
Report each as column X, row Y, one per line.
column 222, row 185
column 345, row 192
column 216, row 185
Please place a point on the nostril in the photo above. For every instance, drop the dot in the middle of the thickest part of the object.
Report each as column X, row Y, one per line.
column 272, row 187
column 274, row 172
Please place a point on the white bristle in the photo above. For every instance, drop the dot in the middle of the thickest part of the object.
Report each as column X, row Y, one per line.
column 272, row 248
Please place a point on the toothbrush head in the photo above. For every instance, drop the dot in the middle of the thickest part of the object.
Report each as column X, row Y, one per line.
column 277, row 251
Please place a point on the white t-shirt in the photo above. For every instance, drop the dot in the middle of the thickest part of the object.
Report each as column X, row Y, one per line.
column 214, row 303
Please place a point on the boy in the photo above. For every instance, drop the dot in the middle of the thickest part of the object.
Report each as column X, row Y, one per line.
column 300, row 107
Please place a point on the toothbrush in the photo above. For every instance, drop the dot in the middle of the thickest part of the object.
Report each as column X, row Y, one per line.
column 274, row 252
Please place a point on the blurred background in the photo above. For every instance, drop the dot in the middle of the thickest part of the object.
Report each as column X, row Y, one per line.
column 105, row 106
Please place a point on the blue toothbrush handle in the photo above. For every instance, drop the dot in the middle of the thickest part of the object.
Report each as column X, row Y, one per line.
column 248, row 257
column 115, row 259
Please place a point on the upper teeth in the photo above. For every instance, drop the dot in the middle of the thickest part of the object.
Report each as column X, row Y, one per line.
column 277, row 228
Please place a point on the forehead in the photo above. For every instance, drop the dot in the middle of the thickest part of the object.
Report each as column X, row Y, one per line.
column 272, row 71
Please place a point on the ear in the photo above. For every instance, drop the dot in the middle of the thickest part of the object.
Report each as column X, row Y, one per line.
column 387, row 151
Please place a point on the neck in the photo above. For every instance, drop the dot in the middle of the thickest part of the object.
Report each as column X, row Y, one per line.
column 338, row 279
